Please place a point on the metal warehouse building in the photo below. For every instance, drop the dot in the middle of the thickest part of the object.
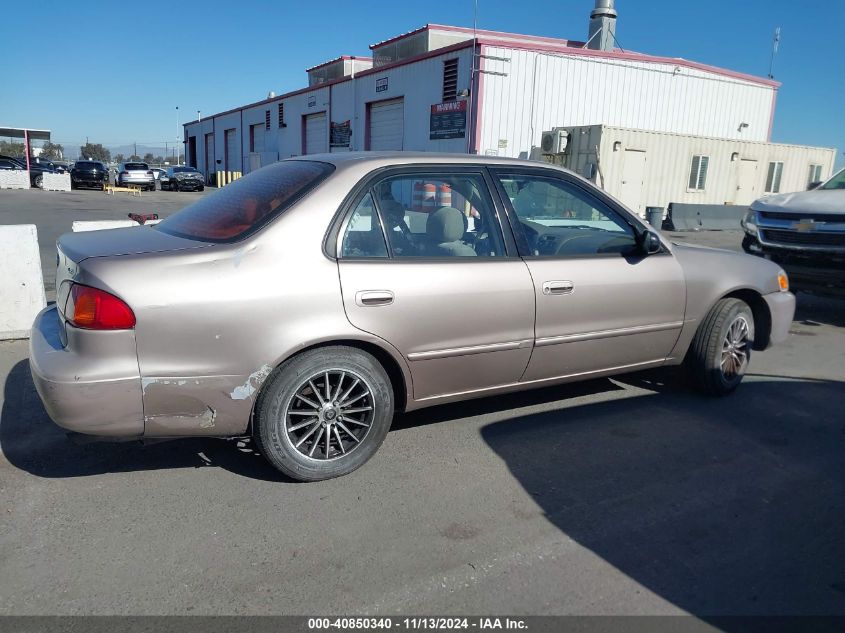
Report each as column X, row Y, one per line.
column 452, row 89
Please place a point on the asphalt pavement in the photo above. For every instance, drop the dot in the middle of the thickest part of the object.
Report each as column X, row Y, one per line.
column 625, row 496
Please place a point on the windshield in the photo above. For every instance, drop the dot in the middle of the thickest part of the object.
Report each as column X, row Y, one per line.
column 248, row 203
column 837, row 182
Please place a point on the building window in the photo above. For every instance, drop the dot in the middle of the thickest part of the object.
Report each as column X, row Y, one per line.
column 266, row 119
column 815, row 174
column 698, row 173
column 450, row 80
column 773, row 177
column 281, row 115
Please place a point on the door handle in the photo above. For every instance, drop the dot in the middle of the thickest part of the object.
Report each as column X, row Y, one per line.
column 370, row 298
column 558, row 288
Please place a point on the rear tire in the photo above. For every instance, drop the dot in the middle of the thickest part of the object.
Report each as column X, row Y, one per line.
column 721, row 348
column 39, row 180
column 354, row 409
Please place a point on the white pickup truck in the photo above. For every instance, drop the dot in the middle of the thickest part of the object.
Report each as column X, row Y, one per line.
column 804, row 232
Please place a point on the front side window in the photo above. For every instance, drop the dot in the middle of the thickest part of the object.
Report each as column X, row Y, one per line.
column 248, row 203
column 559, row 219
column 437, row 215
column 773, row 177
column 698, row 173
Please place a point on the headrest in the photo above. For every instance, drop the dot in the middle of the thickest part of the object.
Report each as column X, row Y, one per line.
column 446, row 224
column 392, row 208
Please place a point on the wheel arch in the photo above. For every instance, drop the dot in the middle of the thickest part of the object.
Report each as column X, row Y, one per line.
column 759, row 310
column 400, row 379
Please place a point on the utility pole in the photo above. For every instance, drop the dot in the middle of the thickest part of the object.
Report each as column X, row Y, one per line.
column 177, row 130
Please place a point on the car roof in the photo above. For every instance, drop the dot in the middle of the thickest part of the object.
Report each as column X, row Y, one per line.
column 385, row 159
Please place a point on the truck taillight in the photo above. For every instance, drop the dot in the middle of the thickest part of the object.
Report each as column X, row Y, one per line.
column 94, row 309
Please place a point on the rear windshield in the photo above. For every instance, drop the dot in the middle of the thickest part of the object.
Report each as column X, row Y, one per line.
column 248, row 203
column 89, row 165
column 136, row 166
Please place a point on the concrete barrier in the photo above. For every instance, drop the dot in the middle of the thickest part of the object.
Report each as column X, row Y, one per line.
column 21, row 284
column 713, row 217
column 14, row 179
column 55, row 182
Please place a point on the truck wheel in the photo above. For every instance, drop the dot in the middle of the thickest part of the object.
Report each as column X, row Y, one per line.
column 323, row 413
column 721, row 348
column 39, row 180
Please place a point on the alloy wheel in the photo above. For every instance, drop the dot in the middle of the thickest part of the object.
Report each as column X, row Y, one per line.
column 735, row 349
column 329, row 414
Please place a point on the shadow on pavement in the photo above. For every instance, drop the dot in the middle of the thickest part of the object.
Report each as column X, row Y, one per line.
column 732, row 506
column 32, row 442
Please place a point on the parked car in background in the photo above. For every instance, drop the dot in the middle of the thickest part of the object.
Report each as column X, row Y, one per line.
column 89, row 173
column 158, row 173
column 10, row 164
column 58, row 168
column 36, row 169
column 306, row 302
column 135, row 173
column 804, row 232
column 183, row 179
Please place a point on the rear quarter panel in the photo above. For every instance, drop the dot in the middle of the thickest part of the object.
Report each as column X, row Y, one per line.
column 212, row 323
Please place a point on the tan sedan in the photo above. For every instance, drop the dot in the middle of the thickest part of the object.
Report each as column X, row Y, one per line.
column 306, row 302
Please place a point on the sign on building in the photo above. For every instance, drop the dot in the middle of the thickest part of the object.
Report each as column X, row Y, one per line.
column 448, row 120
column 381, row 84
column 312, row 101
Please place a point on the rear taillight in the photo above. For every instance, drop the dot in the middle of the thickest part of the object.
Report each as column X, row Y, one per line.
column 124, row 173
column 149, row 173
column 95, row 309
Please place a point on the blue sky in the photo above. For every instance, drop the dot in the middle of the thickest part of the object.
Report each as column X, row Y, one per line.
column 115, row 71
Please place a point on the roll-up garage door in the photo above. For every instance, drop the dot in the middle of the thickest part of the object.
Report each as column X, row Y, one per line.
column 315, row 134
column 387, row 123
column 233, row 150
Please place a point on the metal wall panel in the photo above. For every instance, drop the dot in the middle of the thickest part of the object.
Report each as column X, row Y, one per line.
column 541, row 90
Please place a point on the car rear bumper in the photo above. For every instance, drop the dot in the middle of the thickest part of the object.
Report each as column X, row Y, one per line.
column 782, row 308
column 148, row 182
column 92, row 385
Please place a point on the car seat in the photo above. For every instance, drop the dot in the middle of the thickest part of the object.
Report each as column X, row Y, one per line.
column 444, row 230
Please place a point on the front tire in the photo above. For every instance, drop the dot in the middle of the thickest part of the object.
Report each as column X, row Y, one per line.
column 324, row 413
column 39, row 180
column 721, row 348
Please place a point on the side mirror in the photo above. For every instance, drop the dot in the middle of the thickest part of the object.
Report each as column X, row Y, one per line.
column 650, row 243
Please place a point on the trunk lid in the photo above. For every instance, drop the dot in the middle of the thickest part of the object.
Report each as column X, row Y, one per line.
column 116, row 242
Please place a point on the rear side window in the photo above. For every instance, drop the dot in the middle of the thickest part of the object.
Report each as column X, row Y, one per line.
column 248, row 203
